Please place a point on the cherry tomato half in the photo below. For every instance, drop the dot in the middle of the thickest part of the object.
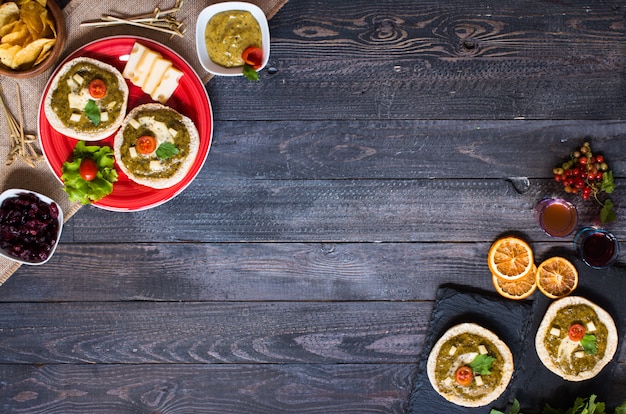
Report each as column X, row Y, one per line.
column 97, row 88
column 146, row 144
column 464, row 375
column 253, row 56
column 576, row 332
column 88, row 169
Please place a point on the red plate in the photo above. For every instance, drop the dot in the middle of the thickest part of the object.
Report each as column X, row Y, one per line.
column 190, row 99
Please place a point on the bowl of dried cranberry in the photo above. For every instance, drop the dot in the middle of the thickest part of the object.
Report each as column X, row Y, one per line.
column 30, row 226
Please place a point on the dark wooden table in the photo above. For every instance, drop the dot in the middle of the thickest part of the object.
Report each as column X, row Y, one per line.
column 383, row 150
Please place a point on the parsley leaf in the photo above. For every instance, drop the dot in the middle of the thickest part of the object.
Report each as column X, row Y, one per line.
column 515, row 409
column 92, row 112
column 589, row 344
column 166, row 150
column 482, row 364
column 250, row 73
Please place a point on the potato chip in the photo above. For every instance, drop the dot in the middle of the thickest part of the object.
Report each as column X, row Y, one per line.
column 27, row 33
column 33, row 14
column 18, row 36
column 26, row 57
column 7, row 54
column 45, row 51
column 8, row 28
column 9, row 12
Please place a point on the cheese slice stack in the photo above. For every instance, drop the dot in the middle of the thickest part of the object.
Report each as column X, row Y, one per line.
column 150, row 71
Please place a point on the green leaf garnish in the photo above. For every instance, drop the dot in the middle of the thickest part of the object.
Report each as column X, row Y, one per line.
column 92, row 112
column 589, row 344
column 166, row 150
column 607, row 214
column 250, row 73
column 482, row 364
column 87, row 192
column 515, row 409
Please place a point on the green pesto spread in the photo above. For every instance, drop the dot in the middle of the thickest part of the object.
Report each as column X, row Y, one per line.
column 228, row 34
column 110, row 103
column 140, row 165
column 468, row 343
column 565, row 317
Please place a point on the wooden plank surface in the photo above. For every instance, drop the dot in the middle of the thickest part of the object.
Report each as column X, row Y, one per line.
column 386, row 147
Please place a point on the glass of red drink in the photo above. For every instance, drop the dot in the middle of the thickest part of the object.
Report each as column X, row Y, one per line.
column 598, row 248
column 557, row 217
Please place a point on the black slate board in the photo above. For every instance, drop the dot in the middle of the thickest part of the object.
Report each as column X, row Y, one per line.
column 516, row 323
column 510, row 320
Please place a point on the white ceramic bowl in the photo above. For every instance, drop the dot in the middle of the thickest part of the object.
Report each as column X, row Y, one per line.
column 203, row 20
column 14, row 192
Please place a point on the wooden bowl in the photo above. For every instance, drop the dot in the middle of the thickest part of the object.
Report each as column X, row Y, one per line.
column 59, row 23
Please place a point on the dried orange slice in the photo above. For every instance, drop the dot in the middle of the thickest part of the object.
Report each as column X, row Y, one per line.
column 510, row 258
column 516, row 289
column 557, row 277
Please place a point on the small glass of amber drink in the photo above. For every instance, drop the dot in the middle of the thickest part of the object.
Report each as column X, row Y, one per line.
column 557, row 217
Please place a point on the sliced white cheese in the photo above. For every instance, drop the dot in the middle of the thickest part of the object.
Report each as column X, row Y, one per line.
column 579, row 354
column 155, row 75
column 567, row 347
column 555, row 332
column 463, row 359
column 591, row 326
column 75, row 118
column 448, row 381
column 482, row 350
column 174, row 132
column 159, row 130
column 104, row 116
column 78, row 100
column 168, row 85
column 135, row 55
column 452, row 350
column 132, row 152
column 479, row 380
column 144, row 67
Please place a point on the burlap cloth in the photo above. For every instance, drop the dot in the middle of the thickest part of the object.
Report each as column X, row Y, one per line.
column 41, row 178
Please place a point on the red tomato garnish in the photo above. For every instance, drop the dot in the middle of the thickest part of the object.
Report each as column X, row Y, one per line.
column 88, row 169
column 464, row 375
column 97, row 88
column 253, row 56
column 576, row 332
column 146, row 144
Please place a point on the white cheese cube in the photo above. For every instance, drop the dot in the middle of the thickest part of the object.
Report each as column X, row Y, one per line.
column 448, row 381
column 79, row 79
column 133, row 152
column 579, row 354
column 482, row 349
column 479, row 380
column 135, row 56
column 133, row 122
column 72, row 84
column 155, row 165
column 173, row 132
column 75, row 118
column 104, row 116
column 555, row 332
column 168, row 85
column 452, row 350
column 591, row 327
